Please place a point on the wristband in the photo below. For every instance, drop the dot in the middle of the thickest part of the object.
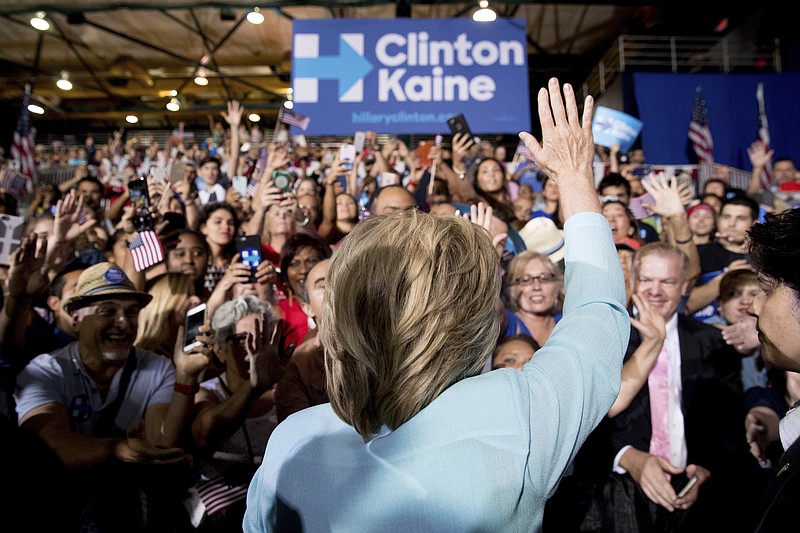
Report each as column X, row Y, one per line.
column 687, row 241
column 182, row 388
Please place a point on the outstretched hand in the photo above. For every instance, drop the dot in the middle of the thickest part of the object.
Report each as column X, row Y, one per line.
column 566, row 152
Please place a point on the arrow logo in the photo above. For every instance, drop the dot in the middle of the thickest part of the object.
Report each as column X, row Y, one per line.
column 348, row 68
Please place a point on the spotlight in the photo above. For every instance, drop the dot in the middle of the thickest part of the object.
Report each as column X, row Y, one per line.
column 255, row 16
column 201, row 79
column 131, row 119
column 288, row 104
column 173, row 104
column 485, row 13
column 64, row 84
column 254, row 117
column 38, row 21
column 37, row 109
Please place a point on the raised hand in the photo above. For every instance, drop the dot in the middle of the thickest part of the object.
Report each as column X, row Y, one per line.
column 666, row 194
column 25, row 275
column 234, row 115
column 264, row 353
column 759, row 154
column 566, row 152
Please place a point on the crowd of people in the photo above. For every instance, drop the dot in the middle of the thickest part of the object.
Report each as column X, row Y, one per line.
column 451, row 340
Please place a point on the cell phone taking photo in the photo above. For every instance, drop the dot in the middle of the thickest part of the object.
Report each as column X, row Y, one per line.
column 249, row 248
column 458, row 124
column 195, row 317
column 140, row 200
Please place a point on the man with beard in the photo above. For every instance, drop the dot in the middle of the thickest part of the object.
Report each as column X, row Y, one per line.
column 112, row 414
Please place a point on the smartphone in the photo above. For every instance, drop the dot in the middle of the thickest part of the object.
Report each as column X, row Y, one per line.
column 195, row 317
column 682, row 483
column 140, row 199
column 388, row 178
column 347, row 154
column 458, row 124
column 358, row 141
column 240, row 185
column 282, row 180
column 638, row 209
column 176, row 171
column 423, row 153
column 249, row 248
column 682, row 178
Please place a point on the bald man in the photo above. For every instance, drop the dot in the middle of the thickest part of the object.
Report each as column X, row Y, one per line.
column 392, row 198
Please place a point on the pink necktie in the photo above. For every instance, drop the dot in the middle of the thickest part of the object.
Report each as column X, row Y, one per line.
column 658, row 384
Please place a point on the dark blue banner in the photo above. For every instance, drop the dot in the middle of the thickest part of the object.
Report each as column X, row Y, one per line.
column 408, row 76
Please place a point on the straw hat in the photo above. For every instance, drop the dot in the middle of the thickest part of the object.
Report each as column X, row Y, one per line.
column 103, row 281
column 541, row 235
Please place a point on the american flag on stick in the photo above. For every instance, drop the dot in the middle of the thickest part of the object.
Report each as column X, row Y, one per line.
column 523, row 151
column 699, row 132
column 763, row 136
column 146, row 250
column 294, row 119
column 23, row 142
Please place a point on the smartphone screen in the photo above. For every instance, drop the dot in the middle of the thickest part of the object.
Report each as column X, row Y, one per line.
column 195, row 318
column 140, row 200
column 249, row 248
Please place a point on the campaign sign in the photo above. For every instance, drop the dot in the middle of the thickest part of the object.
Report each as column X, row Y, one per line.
column 408, row 76
column 610, row 126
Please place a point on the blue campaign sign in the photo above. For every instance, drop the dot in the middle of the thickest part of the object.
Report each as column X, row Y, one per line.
column 611, row 126
column 408, row 76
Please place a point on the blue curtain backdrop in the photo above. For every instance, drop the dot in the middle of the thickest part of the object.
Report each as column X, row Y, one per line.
column 664, row 103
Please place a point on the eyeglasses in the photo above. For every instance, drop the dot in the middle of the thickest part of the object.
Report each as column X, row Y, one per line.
column 541, row 278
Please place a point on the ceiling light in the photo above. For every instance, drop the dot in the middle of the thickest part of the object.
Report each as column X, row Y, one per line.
column 37, row 109
column 38, row 21
column 254, row 117
column 64, row 84
column 131, row 119
column 288, row 104
column 255, row 16
column 174, row 104
column 201, row 80
column 485, row 13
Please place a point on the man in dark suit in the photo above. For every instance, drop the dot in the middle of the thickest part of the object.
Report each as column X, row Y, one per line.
column 775, row 253
column 680, row 411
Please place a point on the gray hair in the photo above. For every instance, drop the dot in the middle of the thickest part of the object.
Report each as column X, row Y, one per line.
column 228, row 314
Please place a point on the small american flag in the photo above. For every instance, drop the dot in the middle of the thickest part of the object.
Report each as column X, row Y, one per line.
column 216, row 494
column 23, row 142
column 146, row 250
column 523, row 151
column 14, row 183
column 295, row 119
column 699, row 132
column 763, row 136
column 252, row 188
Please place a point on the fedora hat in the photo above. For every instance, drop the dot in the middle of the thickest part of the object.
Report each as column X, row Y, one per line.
column 541, row 235
column 103, row 281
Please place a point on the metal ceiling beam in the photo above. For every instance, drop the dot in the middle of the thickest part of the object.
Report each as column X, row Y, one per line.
column 175, row 55
column 212, row 59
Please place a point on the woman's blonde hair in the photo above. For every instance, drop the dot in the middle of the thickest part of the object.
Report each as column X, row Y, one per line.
column 409, row 310
column 169, row 292
column 516, row 269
